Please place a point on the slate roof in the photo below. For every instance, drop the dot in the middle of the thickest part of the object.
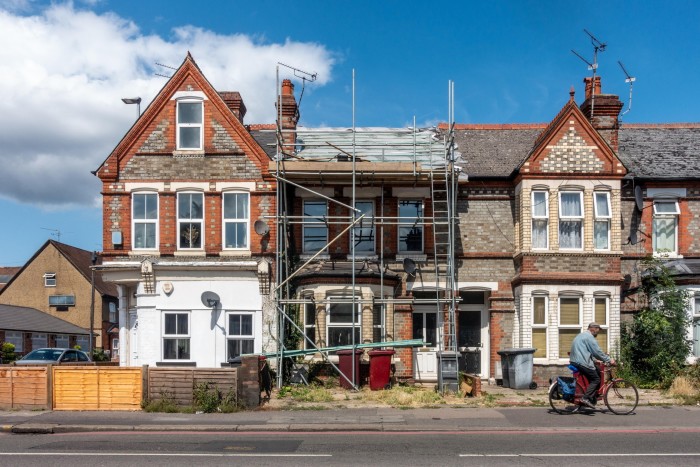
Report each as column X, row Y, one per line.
column 264, row 135
column 664, row 151
column 494, row 150
column 20, row 318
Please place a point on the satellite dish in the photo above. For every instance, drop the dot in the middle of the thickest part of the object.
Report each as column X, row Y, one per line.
column 210, row 299
column 409, row 266
column 261, row 227
column 638, row 197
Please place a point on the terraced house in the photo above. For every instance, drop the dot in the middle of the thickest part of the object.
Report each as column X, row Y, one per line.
column 181, row 194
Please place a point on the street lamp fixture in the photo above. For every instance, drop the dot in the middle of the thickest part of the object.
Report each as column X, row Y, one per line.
column 133, row 100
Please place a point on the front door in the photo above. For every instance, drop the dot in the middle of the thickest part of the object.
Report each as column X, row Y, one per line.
column 470, row 340
column 425, row 327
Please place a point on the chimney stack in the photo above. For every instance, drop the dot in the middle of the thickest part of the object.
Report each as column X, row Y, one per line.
column 234, row 101
column 288, row 112
column 602, row 110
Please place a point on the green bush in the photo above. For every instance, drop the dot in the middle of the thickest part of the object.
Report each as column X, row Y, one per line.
column 7, row 352
column 208, row 399
column 99, row 355
column 654, row 346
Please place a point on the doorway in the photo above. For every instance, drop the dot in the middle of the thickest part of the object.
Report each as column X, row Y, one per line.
column 473, row 333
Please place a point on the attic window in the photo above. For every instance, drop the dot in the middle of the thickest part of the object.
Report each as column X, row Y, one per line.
column 190, row 116
column 50, row 279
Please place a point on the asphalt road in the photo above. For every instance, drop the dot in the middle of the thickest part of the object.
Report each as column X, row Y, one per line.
column 619, row 448
column 444, row 437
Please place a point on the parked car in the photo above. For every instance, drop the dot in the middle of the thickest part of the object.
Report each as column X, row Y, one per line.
column 53, row 356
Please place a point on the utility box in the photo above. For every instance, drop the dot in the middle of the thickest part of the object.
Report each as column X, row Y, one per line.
column 448, row 371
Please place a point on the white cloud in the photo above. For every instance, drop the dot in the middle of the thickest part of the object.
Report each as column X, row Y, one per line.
column 67, row 69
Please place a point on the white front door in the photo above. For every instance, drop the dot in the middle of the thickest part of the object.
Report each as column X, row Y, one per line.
column 425, row 326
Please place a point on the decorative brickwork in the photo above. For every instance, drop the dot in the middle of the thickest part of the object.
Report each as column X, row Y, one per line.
column 157, row 141
column 164, row 167
column 571, row 154
column 221, row 140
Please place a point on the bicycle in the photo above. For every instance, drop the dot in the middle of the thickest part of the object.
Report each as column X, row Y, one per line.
column 620, row 396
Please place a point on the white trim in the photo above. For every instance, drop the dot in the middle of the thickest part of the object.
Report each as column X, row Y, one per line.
column 245, row 220
column 189, row 186
column 226, row 186
column 146, row 186
column 189, row 95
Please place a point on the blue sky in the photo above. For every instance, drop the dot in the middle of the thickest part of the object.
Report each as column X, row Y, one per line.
column 67, row 66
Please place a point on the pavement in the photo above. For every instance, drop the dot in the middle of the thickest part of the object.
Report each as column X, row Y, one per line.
column 353, row 411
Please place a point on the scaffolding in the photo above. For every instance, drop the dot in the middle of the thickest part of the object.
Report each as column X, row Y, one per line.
column 309, row 160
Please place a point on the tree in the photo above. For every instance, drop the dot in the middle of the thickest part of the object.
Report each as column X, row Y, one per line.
column 654, row 346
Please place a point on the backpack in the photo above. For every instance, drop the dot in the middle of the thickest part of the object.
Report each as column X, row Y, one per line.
column 567, row 385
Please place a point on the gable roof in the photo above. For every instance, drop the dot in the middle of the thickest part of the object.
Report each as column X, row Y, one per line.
column 668, row 151
column 21, row 318
column 188, row 69
column 81, row 261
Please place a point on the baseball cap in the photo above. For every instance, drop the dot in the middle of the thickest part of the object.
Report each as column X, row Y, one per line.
column 593, row 325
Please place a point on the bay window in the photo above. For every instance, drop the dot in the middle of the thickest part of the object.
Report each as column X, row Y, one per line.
column 309, row 325
column 571, row 220
column 342, row 321
column 569, row 323
column 539, row 325
column 540, row 220
column 601, row 224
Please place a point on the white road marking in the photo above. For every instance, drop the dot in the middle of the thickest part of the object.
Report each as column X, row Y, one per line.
column 158, row 454
column 615, row 454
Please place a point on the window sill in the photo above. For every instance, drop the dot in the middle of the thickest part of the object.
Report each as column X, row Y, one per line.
column 185, row 153
column 363, row 257
column 189, row 253
column 144, row 253
column 308, row 256
column 236, row 253
column 421, row 257
column 656, row 254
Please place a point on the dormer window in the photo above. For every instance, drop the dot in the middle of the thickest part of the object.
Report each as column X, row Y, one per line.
column 190, row 118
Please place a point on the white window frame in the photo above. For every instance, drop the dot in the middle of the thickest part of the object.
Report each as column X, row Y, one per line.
column 543, row 326
column 672, row 215
column 185, row 125
column 345, row 301
column 606, row 325
column 571, row 218
column 695, row 322
column 378, row 324
column 65, row 340
column 241, row 337
column 16, row 338
column 50, row 279
column 568, row 327
column 309, row 324
column 144, row 221
column 115, row 349
column 238, row 219
column 601, row 218
column 113, row 312
column 190, row 220
column 540, row 218
column 361, row 227
column 39, row 340
column 312, row 222
column 412, row 222
column 177, row 336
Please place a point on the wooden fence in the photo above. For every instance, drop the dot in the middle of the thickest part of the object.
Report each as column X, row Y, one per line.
column 24, row 388
column 101, row 387
column 177, row 384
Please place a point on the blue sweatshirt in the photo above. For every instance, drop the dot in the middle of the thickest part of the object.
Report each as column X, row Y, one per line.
column 584, row 348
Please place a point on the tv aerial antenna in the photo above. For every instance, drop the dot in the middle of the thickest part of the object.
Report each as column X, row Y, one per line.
column 598, row 46
column 165, row 66
column 54, row 233
column 630, row 80
column 304, row 76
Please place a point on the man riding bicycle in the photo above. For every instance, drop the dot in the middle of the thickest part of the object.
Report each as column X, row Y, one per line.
column 584, row 349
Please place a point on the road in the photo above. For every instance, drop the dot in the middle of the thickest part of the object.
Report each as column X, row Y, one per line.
column 655, row 436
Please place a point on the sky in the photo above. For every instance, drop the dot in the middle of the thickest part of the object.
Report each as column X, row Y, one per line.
column 65, row 66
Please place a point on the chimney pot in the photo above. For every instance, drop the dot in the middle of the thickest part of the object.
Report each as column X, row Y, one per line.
column 287, row 88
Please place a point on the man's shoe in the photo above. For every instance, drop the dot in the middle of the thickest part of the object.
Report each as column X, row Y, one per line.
column 587, row 403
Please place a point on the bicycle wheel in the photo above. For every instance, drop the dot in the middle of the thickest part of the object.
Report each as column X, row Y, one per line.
column 621, row 397
column 558, row 403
